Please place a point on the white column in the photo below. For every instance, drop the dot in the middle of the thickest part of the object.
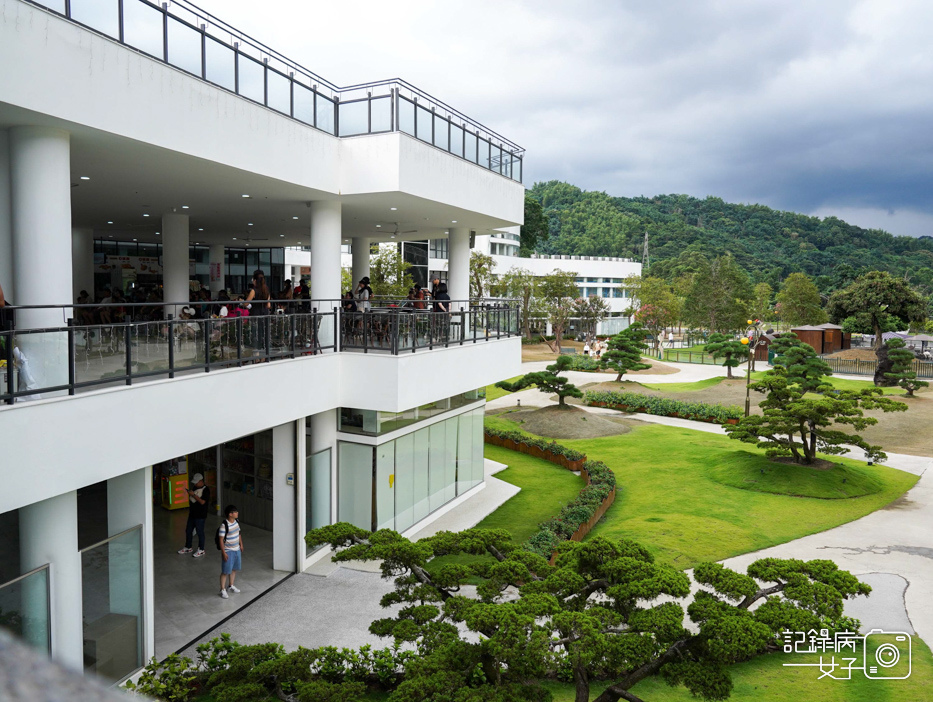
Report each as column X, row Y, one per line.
column 129, row 502
column 48, row 533
column 323, row 435
column 82, row 262
column 174, row 260
column 326, row 231
column 458, row 264
column 360, row 251
column 6, row 223
column 283, row 498
column 40, row 196
column 301, row 490
column 217, row 258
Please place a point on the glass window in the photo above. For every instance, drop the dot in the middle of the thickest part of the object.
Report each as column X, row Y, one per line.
column 421, row 474
column 438, row 459
column 317, row 490
column 441, row 136
column 24, row 605
column 280, row 92
column 404, row 482
column 495, row 158
column 465, row 453
column 324, row 113
column 617, row 292
column 184, row 47
column 517, row 169
column 220, row 64
column 385, row 486
column 469, row 147
column 605, row 291
column 425, row 119
column 380, row 114
column 355, row 484
column 111, row 587
column 102, row 15
column 450, row 459
column 142, row 28
column 251, row 79
column 456, row 140
column 304, row 104
column 406, row 116
column 483, row 153
column 354, row 117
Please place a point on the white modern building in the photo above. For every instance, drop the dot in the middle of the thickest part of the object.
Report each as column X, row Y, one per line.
column 160, row 126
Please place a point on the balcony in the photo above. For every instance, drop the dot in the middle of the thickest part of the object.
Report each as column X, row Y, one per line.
column 189, row 39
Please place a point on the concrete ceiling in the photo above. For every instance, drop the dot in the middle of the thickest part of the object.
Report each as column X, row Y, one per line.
column 127, row 180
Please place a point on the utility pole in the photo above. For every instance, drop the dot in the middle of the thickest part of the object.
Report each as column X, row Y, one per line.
column 644, row 253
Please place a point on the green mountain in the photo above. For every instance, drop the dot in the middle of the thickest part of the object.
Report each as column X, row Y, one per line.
column 769, row 244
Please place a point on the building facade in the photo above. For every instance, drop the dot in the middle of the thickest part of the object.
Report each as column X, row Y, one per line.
column 160, row 126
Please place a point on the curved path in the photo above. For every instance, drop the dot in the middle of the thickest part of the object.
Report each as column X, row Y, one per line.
column 890, row 549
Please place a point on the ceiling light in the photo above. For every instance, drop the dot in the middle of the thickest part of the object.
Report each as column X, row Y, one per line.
column 378, row 225
column 234, row 238
column 85, row 178
column 109, row 222
column 250, row 224
column 184, row 207
column 200, row 230
column 135, row 239
column 145, row 215
column 157, row 233
column 294, row 218
column 453, row 221
column 281, row 235
column 393, row 208
column 245, row 195
column 111, row 236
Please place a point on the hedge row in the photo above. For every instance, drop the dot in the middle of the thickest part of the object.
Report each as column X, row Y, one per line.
column 546, row 446
column 663, row 407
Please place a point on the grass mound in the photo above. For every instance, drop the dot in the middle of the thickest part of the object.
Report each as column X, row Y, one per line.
column 565, row 423
column 746, row 471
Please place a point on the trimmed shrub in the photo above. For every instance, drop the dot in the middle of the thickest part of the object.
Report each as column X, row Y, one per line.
column 662, row 406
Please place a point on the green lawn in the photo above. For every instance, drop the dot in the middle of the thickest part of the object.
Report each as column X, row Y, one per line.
column 672, row 498
column 493, row 393
column 835, row 381
column 683, row 387
column 841, row 383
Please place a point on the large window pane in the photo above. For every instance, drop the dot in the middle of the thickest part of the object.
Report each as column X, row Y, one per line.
column 440, row 132
column 381, row 114
column 423, row 128
column 456, row 140
column 111, row 587
column 102, row 15
column 438, row 475
column 385, row 486
column 479, row 460
column 325, row 114
column 517, row 170
column 470, row 147
column 483, row 148
column 142, row 27
column 495, row 158
column 465, row 453
column 57, row 5
column 451, row 429
column 304, row 104
column 280, row 92
column 252, row 82
column 317, row 490
column 355, row 484
column 404, row 482
column 184, row 47
column 354, row 118
column 24, row 608
column 421, row 479
column 406, row 116
column 220, row 64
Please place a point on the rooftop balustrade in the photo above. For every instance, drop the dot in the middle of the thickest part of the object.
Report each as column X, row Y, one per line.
column 98, row 346
column 184, row 36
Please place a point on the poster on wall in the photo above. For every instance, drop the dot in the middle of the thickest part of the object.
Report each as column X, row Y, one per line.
column 215, row 272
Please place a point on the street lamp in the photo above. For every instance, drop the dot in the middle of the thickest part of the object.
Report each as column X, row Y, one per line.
column 752, row 338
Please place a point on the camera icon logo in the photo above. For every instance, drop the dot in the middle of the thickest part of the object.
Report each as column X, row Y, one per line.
column 886, row 655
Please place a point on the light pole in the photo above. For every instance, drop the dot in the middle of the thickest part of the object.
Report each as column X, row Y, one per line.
column 751, row 339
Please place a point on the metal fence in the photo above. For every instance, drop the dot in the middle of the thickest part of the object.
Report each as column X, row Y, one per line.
column 192, row 40
column 854, row 366
column 679, row 356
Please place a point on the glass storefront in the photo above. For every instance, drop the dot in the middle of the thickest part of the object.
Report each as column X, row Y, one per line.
column 317, row 491
column 24, row 608
column 373, row 422
column 399, row 482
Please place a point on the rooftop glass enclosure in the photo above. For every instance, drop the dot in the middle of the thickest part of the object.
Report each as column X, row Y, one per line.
column 188, row 38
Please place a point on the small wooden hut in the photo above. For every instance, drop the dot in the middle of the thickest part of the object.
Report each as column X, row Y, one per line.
column 812, row 336
column 834, row 339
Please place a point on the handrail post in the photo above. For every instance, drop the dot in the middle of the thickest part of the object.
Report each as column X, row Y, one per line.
column 8, row 353
column 463, row 330
column 207, row 345
column 267, row 342
column 395, row 330
column 171, row 346
column 239, row 341
column 366, row 332
column 293, row 333
column 128, row 352
column 71, row 356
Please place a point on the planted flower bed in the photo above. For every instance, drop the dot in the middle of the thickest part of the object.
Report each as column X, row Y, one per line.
column 582, row 513
column 663, row 407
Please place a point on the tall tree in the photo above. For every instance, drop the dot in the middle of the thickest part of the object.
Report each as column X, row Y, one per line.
column 590, row 311
column 547, row 381
column 719, row 297
column 388, row 273
column 556, row 292
column 799, row 301
column 535, row 229
column 902, row 366
column 481, row 274
column 654, row 304
column 624, row 352
column 761, row 304
column 731, row 350
column 521, row 285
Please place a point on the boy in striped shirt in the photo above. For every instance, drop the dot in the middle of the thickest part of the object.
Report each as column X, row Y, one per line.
column 231, row 551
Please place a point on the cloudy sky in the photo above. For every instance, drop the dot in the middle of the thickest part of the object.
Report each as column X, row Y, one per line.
column 820, row 107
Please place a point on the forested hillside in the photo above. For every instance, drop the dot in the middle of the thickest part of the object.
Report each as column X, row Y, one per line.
column 769, row 244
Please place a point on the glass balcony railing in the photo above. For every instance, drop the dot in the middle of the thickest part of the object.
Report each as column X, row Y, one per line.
column 24, row 608
column 192, row 40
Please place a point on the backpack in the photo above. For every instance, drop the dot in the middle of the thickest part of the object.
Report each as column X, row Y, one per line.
column 218, row 539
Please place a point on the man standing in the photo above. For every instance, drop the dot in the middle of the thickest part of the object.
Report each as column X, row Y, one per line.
column 231, row 543
column 198, row 500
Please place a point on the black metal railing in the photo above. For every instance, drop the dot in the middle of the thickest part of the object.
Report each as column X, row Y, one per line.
column 186, row 37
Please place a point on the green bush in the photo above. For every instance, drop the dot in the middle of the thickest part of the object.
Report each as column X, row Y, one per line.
column 663, row 406
column 583, row 363
column 552, row 446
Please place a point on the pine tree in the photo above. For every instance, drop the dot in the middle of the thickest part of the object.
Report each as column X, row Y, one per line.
column 624, row 352
column 726, row 347
column 902, row 366
column 548, row 381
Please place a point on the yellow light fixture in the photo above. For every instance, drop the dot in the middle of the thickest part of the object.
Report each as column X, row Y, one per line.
column 744, row 340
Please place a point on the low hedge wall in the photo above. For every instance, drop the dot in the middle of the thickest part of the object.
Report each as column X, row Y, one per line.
column 581, row 514
column 663, row 407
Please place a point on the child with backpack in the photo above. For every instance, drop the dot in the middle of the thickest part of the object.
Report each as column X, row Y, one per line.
column 229, row 542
